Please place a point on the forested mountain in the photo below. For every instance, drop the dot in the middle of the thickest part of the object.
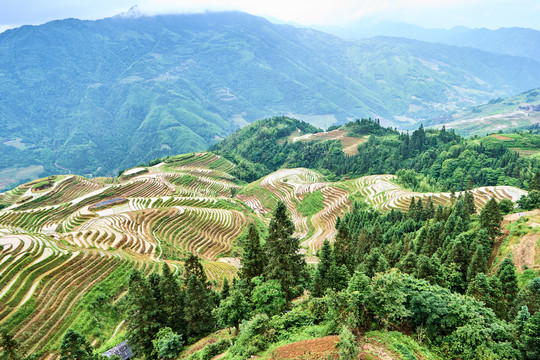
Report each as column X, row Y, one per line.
column 425, row 160
column 93, row 97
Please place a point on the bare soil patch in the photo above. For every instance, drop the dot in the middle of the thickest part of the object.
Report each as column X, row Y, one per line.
column 320, row 348
column 524, row 252
column 374, row 352
column 501, row 137
column 348, row 143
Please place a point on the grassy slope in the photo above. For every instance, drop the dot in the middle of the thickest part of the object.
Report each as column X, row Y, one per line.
column 521, row 241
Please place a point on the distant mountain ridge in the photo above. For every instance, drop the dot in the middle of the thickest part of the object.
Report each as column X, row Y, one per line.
column 94, row 97
column 518, row 112
column 514, row 41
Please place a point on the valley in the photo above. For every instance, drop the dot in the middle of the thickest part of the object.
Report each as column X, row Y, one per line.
column 171, row 84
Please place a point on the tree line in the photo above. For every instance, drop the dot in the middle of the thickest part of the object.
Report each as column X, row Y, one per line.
column 441, row 158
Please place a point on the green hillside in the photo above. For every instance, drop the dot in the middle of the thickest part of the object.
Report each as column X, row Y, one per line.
column 376, row 265
column 95, row 97
column 498, row 115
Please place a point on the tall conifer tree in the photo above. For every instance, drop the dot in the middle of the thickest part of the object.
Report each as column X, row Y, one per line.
column 285, row 263
column 253, row 257
column 491, row 217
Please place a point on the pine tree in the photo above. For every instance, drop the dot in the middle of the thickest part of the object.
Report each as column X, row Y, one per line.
column 407, row 264
column 430, row 209
column 531, row 337
column 285, row 263
column 488, row 290
column 198, row 307
column 478, row 263
column 253, row 258
column 470, row 207
column 343, row 247
column 521, row 319
column 225, row 289
column 326, row 261
column 193, row 266
column 143, row 313
column 172, row 302
column 490, row 218
column 535, row 182
column 508, row 277
column 412, row 209
column 340, row 278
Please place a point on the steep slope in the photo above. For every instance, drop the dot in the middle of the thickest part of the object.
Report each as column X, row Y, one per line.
column 93, row 97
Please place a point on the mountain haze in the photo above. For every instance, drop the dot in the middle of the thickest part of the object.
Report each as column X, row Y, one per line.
column 93, row 97
column 514, row 41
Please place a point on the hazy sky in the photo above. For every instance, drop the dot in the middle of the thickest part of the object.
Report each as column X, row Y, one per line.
column 429, row 13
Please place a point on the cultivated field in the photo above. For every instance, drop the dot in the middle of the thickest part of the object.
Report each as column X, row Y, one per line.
column 65, row 239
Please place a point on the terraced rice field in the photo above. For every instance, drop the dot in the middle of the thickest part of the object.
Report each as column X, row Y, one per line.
column 383, row 193
column 290, row 185
column 56, row 248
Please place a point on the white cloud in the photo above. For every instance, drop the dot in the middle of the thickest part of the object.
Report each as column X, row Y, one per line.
column 323, row 11
column 6, row 27
column 431, row 13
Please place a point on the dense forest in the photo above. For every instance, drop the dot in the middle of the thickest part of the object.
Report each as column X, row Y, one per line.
column 428, row 159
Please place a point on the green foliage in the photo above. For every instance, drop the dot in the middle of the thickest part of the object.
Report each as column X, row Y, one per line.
column 531, row 337
column 232, row 310
column 143, row 321
column 312, row 203
column 193, row 266
column 268, row 297
column 506, row 206
column 284, row 264
column 75, row 347
column 167, row 344
column 491, row 217
column 198, row 307
column 426, row 160
column 530, row 201
column 347, row 346
column 210, row 350
column 255, row 335
column 362, row 127
column 253, row 258
column 528, row 296
column 10, row 348
column 329, row 275
column 416, row 182
column 508, row 278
